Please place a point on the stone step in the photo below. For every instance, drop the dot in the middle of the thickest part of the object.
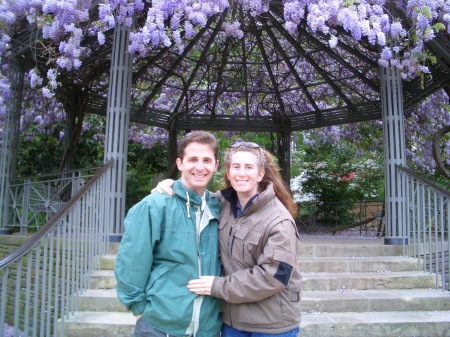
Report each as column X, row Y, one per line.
column 107, row 262
column 100, row 300
column 99, row 324
column 357, row 264
column 105, row 279
column 377, row 324
column 353, row 288
column 367, row 324
column 315, row 301
column 375, row 300
column 331, row 264
column 324, row 247
column 113, row 247
column 362, row 281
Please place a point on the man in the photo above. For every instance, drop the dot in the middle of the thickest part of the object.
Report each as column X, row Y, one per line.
column 169, row 241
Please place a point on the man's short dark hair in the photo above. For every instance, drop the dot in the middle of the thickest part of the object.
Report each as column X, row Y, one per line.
column 201, row 137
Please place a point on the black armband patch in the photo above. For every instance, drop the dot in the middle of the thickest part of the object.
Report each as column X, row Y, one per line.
column 283, row 273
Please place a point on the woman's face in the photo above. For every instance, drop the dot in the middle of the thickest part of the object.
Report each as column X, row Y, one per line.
column 244, row 173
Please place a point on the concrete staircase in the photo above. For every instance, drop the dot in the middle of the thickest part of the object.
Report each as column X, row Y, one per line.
column 362, row 288
column 351, row 287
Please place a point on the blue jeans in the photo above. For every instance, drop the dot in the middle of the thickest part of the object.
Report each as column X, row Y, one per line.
column 228, row 331
column 143, row 329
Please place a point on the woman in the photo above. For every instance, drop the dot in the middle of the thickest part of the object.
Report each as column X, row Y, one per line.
column 258, row 243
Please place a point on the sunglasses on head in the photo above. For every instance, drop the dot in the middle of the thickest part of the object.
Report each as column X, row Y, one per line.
column 240, row 142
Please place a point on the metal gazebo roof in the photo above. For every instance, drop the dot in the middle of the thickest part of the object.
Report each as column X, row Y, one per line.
column 269, row 80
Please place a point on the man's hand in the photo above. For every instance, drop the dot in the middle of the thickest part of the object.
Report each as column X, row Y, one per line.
column 164, row 186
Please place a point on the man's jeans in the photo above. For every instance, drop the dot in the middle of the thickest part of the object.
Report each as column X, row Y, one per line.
column 228, row 331
column 143, row 329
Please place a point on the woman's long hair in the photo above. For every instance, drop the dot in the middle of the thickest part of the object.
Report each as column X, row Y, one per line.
column 271, row 175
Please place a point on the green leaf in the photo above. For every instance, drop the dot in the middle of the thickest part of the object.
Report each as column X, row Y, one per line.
column 438, row 27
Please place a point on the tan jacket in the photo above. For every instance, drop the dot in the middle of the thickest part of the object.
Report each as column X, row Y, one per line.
column 257, row 249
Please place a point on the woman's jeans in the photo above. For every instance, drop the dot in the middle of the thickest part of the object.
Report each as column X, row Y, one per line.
column 143, row 329
column 228, row 331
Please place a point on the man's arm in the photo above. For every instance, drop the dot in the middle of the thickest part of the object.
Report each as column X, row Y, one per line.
column 135, row 258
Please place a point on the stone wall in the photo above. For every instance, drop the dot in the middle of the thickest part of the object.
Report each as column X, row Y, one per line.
column 9, row 243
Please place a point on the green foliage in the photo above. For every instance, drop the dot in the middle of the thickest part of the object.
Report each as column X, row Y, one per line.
column 265, row 140
column 143, row 166
column 90, row 146
column 38, row 153
column 139, row 185
column 217, row 181
column 41, row 152
column 337, row 176
column 325, row 168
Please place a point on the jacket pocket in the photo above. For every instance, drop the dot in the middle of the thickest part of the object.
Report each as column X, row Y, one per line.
column 156, row 275
column 222, row 224
column 291, row 307
column 263, row 313
column 247, row 246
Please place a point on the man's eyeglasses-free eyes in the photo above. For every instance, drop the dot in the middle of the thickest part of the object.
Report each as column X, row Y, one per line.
column 240, row 142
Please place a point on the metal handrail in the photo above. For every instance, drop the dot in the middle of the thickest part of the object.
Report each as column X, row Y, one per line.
column 56, row 176
column 34, row 201
column 425, row 181
column 41, row 281
column 428, row 226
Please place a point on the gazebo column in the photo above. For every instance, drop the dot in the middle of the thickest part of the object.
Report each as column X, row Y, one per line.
column 10, row 142
column 284, row 155
column 117, row 125
column 394, row 154
column 172, row 155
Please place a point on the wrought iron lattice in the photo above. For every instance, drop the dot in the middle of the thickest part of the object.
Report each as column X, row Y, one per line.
column 269, row 80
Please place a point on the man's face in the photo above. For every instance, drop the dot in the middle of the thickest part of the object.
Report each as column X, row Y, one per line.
column 197, row 166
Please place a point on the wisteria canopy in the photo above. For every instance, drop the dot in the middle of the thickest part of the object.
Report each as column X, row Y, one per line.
column 253, row 65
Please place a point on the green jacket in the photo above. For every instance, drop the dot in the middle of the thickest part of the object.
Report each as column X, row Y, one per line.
column 158, row 255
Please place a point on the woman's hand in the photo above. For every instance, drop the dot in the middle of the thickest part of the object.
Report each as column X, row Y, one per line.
column 202, row 285
column 164, row 186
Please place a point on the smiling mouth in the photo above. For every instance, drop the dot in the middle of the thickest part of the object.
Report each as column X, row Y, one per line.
column 199, row 175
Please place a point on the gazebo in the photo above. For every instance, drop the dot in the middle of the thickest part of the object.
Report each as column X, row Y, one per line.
column 241, row 71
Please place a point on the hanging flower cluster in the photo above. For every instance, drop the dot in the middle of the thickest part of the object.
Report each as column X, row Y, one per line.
column 66, row 26
column 67, row 22
column 425, row 119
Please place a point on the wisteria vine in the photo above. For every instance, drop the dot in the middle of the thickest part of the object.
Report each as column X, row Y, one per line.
column 65, row 24
column 173, row 21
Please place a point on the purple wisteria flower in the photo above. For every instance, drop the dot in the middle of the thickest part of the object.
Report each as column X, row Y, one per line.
column 35, row 79
column 233, row 29
column 65, row 27
column 333, row 41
